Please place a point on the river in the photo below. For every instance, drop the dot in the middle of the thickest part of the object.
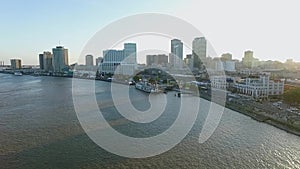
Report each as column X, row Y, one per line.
column 39, row 129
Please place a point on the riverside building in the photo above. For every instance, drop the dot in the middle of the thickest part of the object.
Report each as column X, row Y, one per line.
column 260, row 86
column 119, row 61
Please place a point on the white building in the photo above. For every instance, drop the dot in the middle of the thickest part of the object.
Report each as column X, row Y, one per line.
column 222, row 82
column 260, row 87
column 218, row 82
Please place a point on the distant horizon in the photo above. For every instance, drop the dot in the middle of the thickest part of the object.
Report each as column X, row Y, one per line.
column 267, row 28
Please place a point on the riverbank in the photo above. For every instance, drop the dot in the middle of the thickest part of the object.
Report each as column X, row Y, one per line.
column 256, row 114
column 261, row 116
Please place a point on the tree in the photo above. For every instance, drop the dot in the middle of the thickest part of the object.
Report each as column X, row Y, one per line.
column 137, row 78
column 292, row 96
column 152, row 81
column 109, row 74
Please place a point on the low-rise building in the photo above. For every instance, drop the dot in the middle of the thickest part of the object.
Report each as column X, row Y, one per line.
column 222, row 82
column 260, row 86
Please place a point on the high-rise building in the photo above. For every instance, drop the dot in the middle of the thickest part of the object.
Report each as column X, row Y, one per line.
column 114, row 58
column 226, row 57
column 130, row 52
column 176, row 53
column 16, row 64
column 48, row 61
column 249, row 61
column 89, row 60
column 160, row 59
column 41, row 61
column 199, row 51
column 98, row 61
column 60, row 59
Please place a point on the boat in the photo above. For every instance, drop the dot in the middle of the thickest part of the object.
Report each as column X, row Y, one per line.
column 146, row 87
column 18, row 74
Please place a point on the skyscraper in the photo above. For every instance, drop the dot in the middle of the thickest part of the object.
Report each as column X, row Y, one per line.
column 130, row 50
column 89, row 60
column 60, row 59
column 176, row 53
column 41, row 61
column 199, row 51
column 48, row 61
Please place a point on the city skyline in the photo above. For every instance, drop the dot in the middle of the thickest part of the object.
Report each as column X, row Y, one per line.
column 226, row 56
column 149, row 84
column 270, row 34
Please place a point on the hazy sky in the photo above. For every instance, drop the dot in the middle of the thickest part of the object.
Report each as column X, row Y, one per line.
column 269, row 28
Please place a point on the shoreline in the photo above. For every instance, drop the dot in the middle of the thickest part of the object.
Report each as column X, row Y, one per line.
column 265, row 119
column 257, row 116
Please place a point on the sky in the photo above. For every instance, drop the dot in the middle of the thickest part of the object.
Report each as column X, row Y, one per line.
column 269, row 28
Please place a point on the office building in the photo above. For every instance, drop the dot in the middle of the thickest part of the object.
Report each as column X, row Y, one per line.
column 199, row 51
column 260, row 86
column 130, row 53
column 16, row 64
column 219, row 82
column 41, row 61
column 125, row 58
column 111, row 60
column 249, row 61
column 228, row 66
column 226, row 57
column 189, row 62
column 176, row 53
column 45, row 60
column 48, row 61
column 60, row 59
column 89, row 60
column 98, row 61
column 155, row 60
